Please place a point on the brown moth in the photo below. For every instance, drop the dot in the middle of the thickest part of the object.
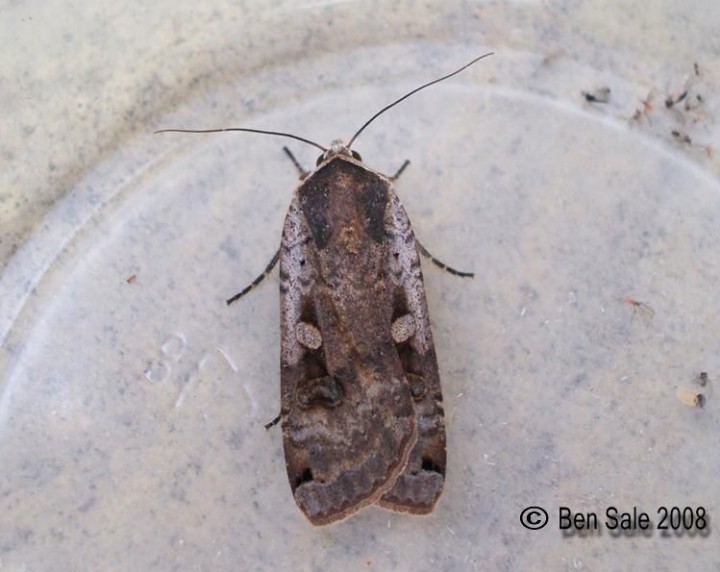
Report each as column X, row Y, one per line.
column 361, row 403
column 362, row 413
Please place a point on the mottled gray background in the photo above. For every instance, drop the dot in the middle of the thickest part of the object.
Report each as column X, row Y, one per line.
column 132, row 410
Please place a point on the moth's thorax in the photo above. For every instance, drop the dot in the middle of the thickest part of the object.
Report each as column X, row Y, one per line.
column 344, row 203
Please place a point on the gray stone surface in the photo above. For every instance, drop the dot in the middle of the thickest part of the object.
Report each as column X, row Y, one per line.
column 132, row 409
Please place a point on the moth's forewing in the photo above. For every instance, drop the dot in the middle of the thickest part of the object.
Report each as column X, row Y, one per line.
column 348, row 416
column 419, row 486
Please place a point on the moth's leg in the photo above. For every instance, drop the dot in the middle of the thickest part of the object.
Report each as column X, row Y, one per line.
column 298, row 166
column 438, row 263
column 274, row 261
column 273, row 422
column 399, row 172
column 424, row 250
column 257, row 280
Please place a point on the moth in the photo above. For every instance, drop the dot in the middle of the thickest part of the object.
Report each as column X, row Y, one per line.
column 361, row 403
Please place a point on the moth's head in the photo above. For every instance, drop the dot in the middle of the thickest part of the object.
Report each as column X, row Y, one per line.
column 337, row 148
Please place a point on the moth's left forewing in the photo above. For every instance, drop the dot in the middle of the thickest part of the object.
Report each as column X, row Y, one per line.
column 419, row 486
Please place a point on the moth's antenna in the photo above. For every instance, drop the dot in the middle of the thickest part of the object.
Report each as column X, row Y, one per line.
column 247, row 130
column 413, row 92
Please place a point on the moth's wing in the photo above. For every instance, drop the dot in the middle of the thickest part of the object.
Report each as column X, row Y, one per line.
column 341, row 452
column 419, row 486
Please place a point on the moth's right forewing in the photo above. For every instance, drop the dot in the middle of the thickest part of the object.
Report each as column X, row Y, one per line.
column 419, row 486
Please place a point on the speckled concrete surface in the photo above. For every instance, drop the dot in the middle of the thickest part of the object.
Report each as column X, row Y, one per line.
column 132, row 400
